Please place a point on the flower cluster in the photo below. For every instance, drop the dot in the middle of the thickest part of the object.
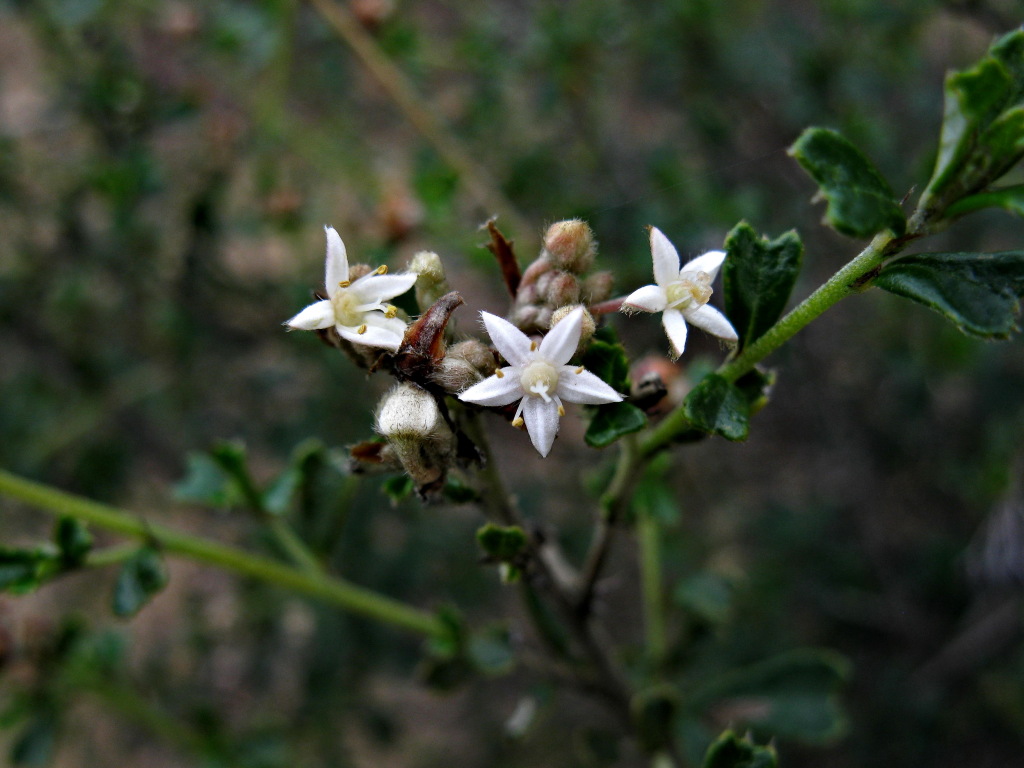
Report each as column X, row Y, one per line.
column 553, row 295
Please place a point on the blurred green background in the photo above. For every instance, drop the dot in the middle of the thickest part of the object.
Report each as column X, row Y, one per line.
column 166, row 169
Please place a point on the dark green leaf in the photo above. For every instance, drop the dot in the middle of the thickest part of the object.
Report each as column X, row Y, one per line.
column 74, row 541
column 730, row 751
column 139, row 580
column 718, row 407
column 860, row 201
column 231, row 457
column 502, row 544
column 757, row 278
column 793, row 696
column 21, row 570
column 398, row 487
column 980, row 292
column 458, row 492
column 611, row 421
column 606, row 358
column 1009, row 199
column 756, row 386
column 983, row 125
column 653, row 497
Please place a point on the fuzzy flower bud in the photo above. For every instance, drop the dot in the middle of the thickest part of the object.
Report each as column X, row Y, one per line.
column 563, row 289
column 411, row 421
column 570, row 245
column 464, row 365
column 431, row 282
column 587, row 324
column 597, row 287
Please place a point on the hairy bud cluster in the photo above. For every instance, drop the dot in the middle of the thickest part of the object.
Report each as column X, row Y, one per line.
column 431, row 281
column 463, row 365
column 558, row 277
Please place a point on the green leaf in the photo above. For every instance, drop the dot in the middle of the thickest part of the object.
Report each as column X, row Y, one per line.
column 611, row 421
column 979, row 292
column 279, row 494
column 731, row 751
column 206, row 483
column 606, row 358
column 718, row 407
column 398, row 487
column 654, row 711
column 1008, row 198
column 501, row 544
column 654, row 498
column 22, row 570
column 757, row 278
column 74, row 541
column 792, row 696
column 860, row 200
column 231, row 456
column 139, row 580
column 983, row 125
column 458, row 492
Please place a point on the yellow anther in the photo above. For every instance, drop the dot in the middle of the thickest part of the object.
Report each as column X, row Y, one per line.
column 533, row 346
column 381, row 270
column 518, row 422
column 344, row 283
column 361, row 329
column 390, row 311
column 499, row 373
column 561, row 411
column 580, row 370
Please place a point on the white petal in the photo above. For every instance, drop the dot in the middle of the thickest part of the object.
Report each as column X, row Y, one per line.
column 318, row 315
column 561, row 341
column 541, row 422
column 494, row 391
column 675, row 328
column 372, row 336
column 393, row 325
column 373, row 287
column 584, row 387
column 712, row 321
column 665, row 257
column 709, row 262
column 513, row 344
column 650, row 298
column 336, row 267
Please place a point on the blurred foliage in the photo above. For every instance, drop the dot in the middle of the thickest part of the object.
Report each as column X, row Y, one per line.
column 165, row 170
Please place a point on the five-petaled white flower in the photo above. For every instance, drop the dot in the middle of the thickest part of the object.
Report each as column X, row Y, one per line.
column 681, row 294
column 356, row 308
column 539, row 377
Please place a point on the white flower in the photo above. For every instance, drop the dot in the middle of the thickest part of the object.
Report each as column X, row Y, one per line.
column 539, row 377
column 356, row 308
column 681, row 294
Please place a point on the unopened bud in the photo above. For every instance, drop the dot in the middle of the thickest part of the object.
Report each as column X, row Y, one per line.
column 587, row 327
column 597, row 287
column 464, row 365
column 570, row 245
column 563, row 289
column 431, row 282
column 411, row 421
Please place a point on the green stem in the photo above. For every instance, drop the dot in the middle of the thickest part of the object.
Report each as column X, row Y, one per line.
column 101, row 558
column 339, row 592
column 649, row 541
column 294, row 546
column 843, row 283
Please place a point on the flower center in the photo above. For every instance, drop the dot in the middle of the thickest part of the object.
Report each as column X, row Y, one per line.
column 694, row 289
column 539, row 379
column 348, row 311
